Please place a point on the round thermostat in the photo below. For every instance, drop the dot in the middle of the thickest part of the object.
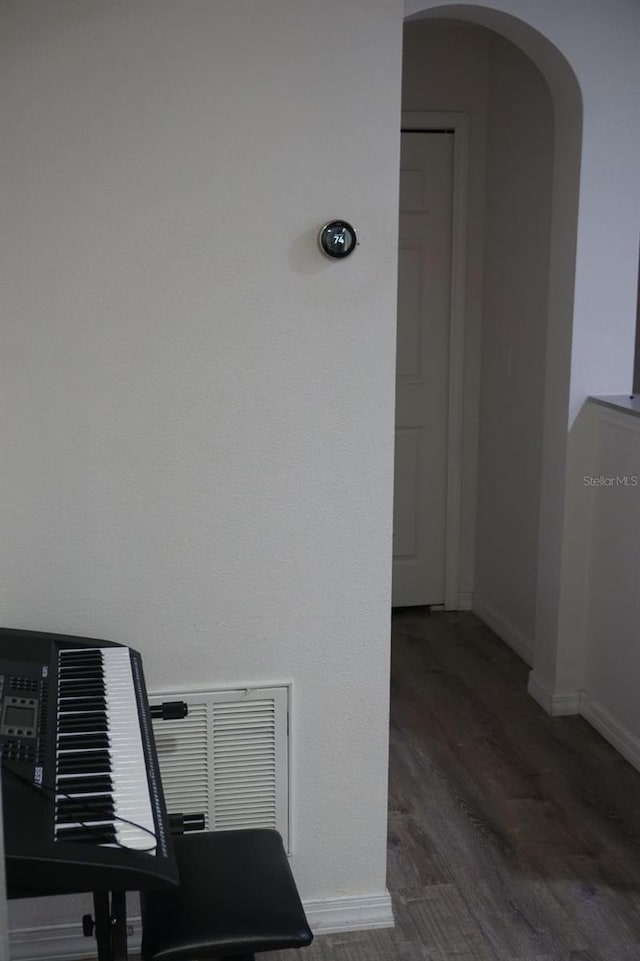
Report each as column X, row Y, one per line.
column 337, row 239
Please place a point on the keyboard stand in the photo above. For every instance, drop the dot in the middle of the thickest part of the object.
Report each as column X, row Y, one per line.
column 4, row 915
column 111, row 925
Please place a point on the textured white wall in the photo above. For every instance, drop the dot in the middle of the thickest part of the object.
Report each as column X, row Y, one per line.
column 198, row 435
column 514, row 326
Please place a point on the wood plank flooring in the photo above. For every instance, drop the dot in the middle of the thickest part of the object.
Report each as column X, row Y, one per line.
column 513, row 836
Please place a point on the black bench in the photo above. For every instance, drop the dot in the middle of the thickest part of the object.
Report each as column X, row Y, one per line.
column 236, row 897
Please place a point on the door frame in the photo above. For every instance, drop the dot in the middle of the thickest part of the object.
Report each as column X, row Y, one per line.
column 458, row 124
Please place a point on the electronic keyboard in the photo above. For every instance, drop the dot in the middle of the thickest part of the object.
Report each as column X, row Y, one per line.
column 82, row 796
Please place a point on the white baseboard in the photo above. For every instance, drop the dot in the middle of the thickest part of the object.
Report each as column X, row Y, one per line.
column 64, row 942
column 332, row 915
column 618, row 736
column 556, row 703
column 54, row 942
column 506, row 631
column 465, row 601
column 579, row 702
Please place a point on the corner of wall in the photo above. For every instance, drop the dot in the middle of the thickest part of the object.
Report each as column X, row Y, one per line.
column 557, row 703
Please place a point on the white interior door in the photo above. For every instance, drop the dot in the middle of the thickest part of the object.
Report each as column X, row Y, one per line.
column 422, row 391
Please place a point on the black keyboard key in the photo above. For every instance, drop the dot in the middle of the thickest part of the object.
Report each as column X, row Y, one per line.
column 81, row 702
column 73, row 670
column 69, row 812
column 98, row 802
column 82, row 763
column 82, row 742
column 78, row 685
column 96, row 834
column 83, row 724
column 91, row 784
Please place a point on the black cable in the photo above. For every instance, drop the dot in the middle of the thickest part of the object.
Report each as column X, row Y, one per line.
column 53, row 793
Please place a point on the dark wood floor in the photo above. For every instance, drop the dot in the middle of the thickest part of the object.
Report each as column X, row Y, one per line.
column 513, row 836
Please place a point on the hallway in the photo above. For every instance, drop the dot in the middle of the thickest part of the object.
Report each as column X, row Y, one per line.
column 513, row 836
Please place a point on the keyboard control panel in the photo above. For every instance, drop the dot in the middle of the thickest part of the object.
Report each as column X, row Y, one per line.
column 23, row 703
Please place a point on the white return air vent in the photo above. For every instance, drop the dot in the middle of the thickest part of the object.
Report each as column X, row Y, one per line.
column 229, row 758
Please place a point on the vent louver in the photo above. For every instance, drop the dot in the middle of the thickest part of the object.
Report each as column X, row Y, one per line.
column 183, row 755
column 228, row 758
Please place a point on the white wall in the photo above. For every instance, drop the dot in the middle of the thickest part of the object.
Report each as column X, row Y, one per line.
column 610, row 694
column 198, row 437
column 514, row 326
column 445, row 68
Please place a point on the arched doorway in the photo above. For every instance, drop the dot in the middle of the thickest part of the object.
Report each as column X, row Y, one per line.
column 554, row 309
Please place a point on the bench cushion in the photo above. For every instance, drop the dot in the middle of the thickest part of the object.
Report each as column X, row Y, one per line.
column 236, row 896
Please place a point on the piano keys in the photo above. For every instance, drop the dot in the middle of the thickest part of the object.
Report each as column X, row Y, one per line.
column 82, row 794
column 100, row 763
